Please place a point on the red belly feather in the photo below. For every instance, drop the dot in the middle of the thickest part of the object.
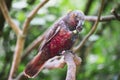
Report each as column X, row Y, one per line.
column 62, row 41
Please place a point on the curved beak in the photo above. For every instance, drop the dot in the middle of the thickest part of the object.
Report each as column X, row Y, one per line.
column 79, row 26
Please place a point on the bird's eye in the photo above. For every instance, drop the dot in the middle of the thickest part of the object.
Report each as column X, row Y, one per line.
column 77, row 18
column 76, row 15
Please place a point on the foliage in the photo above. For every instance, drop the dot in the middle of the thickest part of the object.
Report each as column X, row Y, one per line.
column 101, row 52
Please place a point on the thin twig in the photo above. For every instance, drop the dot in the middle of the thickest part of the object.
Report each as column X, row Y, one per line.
column 91, row 31
column 21, row 76
column 4, row 10
column 102, row 18
column 115, row 14
column 32, row 46
column 31, row 15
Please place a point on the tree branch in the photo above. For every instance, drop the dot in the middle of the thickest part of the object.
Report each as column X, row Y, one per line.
column 31, row 15
column 2, row 19
column 38, row 40
column 68, row 58
column 21, row 41
column 72, row 62
column 102, row 18
column 21, row 76
column 4, row 10
column 17, row 56
column 56, row 62
column 71, row 71
column 91, row 31
column 32, row 46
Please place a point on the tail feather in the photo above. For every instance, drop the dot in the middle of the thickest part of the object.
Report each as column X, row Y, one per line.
column 35, row 65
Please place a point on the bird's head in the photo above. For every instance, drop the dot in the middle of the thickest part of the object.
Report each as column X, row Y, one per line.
column 75, row 20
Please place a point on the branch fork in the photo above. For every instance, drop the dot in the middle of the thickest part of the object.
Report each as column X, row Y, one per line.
column 68, row 58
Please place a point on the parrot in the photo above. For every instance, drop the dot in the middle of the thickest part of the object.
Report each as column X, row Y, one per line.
column 60, row 37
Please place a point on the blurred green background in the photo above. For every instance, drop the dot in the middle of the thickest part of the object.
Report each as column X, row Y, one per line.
column 100, row 54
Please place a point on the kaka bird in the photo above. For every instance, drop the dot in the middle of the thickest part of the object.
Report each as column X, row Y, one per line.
column 60, row 37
